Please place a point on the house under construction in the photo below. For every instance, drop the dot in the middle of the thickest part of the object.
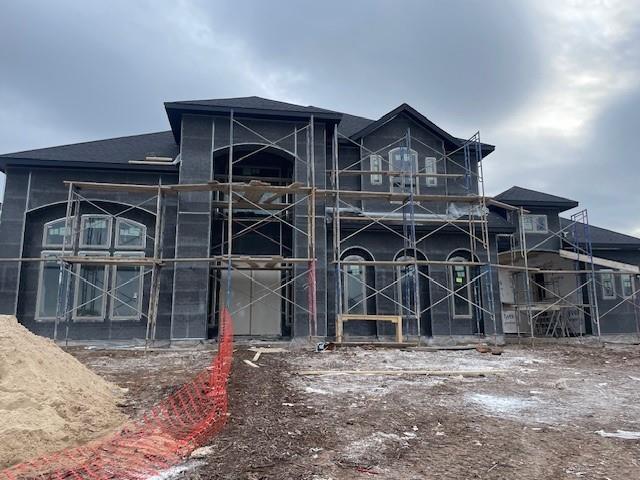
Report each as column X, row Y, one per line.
column 305, row 222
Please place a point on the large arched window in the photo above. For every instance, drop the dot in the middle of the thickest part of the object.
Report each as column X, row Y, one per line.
column 406, row 285
column 403, row 162
column 460, row 279
column 354, row 285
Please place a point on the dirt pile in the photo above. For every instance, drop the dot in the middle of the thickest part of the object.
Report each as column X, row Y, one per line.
column 48, row 400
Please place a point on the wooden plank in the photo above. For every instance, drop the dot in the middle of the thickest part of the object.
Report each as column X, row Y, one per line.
column 429, row 373
column 250, row 363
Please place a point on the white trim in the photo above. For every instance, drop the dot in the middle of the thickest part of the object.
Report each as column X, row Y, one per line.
column 633, row 285
column 114, row 292
column 431, row 166
column 609, row 273
column 76, row 292
column 83, row 219
column 398, row 274
column 361, row 281
column 414, row 183
column 44, row 233
column 531, row 216
column 603, row 262
column 143, row 246
column 376, row 179
column 43, row 254
column 469, row 298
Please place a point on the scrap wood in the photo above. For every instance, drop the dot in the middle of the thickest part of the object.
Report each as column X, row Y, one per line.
column 260, row 350
column 434, row 373
column 250, row 363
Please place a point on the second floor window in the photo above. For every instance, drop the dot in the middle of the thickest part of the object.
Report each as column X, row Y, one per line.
column 375, row 164
column 431, row 166
column 608, row 285
column 535, row 223
column 403, row 163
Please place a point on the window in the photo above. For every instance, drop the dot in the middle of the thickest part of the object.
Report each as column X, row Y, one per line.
column 431, row 166
column 90, row 297
column 627, row 285
column 47, row 298
column 126, row 285
column 95, row 231
column 535, row 223
column 608, row 285
column 375, row 164
column 130, row 234
column 460, row 277
column 355, row 286
column 404, row 164
column 406, row 285
column 56, row 232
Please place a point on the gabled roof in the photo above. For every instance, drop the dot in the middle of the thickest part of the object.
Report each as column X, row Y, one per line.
column 524, row 197
column 601, row 238
column 244, row 106
column 110, row 151
column 421, row 119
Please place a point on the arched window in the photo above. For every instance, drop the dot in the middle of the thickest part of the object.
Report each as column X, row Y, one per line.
column 57, row 232
column 354, row 285
column 130, row 234
column 404, row 163
column 406, row 285
column 460, row 277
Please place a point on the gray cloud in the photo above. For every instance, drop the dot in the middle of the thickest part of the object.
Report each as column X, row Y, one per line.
column 77, row 71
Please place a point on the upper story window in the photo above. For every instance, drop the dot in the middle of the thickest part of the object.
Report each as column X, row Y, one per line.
column 375, row 165
column 431, row 166
column 57, row 232
column 608, row 285
column 130, row 234
column 95, row 231
column 535, row 223
column 404, row 164
column 627, row 285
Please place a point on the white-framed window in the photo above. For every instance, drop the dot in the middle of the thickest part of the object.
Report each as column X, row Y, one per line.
column 57, row 232
column 354, row 286
column 431, row 166
column 49, row 277
column 628, row 285
column 375, row 165
column 95, row 231
column 126, row 287
column 404, row 164
column 607, row 281
column 461, row 301
column 535, row 223
column 130, row 234
column 406, row 287
column 90, row 298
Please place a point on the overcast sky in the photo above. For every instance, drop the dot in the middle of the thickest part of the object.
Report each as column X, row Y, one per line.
column 554, row 85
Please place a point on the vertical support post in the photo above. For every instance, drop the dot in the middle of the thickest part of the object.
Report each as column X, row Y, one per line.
column 229, row 209
column 311, row 221
column 527, row 280
column 337, row 254
column 154, row 291
column 62, row 276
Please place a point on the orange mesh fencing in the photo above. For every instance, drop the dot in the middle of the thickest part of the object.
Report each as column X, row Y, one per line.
column 163, row 437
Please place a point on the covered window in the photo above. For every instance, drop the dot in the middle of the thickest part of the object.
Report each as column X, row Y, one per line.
column 130, row 234
column 354, row 286
column 375, row 164
column 608, row 285
column 431, row 166
column 127, row 289
column 95, row 231
column 535, row 223
column 462, row 299
column 404, row 165
column 47, row 299
column 627, row 285
column 90, row 297
column 406, row 287
column 56, row 232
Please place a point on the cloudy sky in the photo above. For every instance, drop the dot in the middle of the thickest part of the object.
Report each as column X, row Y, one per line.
column 554, row 85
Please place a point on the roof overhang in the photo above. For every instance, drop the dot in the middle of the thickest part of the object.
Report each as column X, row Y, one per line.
column 175, row 111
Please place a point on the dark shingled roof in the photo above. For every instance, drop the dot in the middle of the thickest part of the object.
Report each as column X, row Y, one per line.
column 252, row 103
column 600, row 237
column 110, row 151
column 525, row 197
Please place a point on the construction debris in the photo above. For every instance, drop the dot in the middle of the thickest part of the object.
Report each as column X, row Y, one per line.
column 250, row 363
column 431, row 373
column 48, row 400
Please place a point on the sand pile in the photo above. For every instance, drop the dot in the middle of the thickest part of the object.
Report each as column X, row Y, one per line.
column 48, row 399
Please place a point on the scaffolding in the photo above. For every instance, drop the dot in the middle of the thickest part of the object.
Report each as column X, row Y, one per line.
column 550, row 303
column 461, row 208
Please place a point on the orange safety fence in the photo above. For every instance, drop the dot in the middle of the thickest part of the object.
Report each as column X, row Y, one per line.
column 163, row 437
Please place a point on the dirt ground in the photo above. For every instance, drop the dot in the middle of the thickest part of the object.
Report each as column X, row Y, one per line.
column 549, row 415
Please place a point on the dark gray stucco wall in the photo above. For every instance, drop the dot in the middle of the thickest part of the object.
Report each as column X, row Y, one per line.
column 44, row 199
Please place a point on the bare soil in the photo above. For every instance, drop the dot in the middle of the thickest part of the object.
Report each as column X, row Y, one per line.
column 547, row 417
